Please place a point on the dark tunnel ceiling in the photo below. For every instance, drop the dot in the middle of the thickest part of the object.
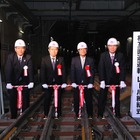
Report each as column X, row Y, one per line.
column 76, row 17
column 97, row 11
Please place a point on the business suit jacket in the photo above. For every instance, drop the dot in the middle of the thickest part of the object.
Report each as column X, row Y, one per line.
column 78, row 75
column 48, row 74
column 15, row 72
column 51, row 77
column 107, row 70
column 15, row 75
column 107, row 73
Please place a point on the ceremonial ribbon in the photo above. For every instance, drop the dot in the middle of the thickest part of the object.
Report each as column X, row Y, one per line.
column 113, row 88
column 59, row 67
column 19, row 97
column 25, row 70
column 55, row 87
column 87, row 68
column 81, row 94
column 117, row 67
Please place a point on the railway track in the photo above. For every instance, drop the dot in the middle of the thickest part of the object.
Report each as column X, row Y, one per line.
column 31, row 126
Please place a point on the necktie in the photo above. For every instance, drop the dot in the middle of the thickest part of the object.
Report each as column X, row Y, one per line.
column 112, row 59
column 83, row 62
column 53, row 63
column 20, row 60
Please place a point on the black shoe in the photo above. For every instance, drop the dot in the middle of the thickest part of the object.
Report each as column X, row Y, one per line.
column 101, row 117
column 89, row 117
column 78, row 118
column 45, row 118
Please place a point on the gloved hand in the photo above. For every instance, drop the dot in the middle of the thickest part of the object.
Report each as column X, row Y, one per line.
column 90, row 86
column 31, row 85
column 102, row 84
column 64, row 85
column 45, row 86
column 122, row 84
column 9, row 86
column 74, row 85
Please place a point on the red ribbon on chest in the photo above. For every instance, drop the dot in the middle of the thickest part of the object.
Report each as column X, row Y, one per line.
column 87, row 68
column 59, row 69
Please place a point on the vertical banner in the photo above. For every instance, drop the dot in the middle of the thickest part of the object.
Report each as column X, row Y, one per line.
column 135, row 93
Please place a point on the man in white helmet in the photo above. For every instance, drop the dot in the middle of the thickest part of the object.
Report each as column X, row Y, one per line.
column 79, row 76
column 111, row 72
column 50, row 75
column 15, row 75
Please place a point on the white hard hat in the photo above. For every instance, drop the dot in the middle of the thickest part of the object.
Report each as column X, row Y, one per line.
column 81, row 45
column 112, row 41
column 20, row 43
column 53, row 44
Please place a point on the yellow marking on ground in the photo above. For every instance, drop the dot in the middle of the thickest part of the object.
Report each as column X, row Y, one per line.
column 10, row 133
column 90, row 133
column 83, row 133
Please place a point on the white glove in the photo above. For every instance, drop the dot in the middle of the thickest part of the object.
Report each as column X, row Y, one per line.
column 45, row 86
column 122, row 84
column 31, row 85
column 90, row 86
column 64, row 85
column 9, row 86
column 102, row 84
column 74, row 85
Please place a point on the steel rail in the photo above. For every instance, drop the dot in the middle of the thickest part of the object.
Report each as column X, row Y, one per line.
column 85, row 122
column 94, row 129
column 47, row 125
column 15, row 127
column 97, row 132
column 118, row 127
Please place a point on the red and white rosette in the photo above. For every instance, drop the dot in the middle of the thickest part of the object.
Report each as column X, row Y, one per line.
column 59, row 69
column 81, row 94
column 25, row 70
column 117, row 67
column 87, row 68
column 55, row 87
column 113, row 90
column 19, row 97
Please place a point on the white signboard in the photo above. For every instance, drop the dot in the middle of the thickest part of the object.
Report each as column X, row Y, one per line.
column 135, row 94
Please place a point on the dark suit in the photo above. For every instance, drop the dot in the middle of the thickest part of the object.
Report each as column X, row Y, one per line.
column 78, row 76
column 15, row 75
column 107, row 73
column 51, row 77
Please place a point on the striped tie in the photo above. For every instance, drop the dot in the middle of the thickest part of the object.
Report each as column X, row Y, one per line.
column 112, row 59
column 20, row 60
column 53, row 63
column 83, row 62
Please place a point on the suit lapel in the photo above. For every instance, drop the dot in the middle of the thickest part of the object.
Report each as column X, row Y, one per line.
column 49, row 62
column 109, row 59
column 57, row 62
column 16, row 62
column 116, row 57
column 17, row 66
column 23, row 62
column 79, row 62
column 86, row 62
